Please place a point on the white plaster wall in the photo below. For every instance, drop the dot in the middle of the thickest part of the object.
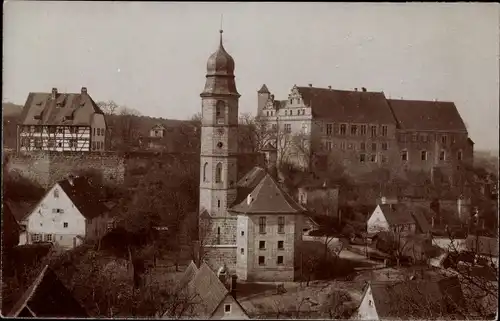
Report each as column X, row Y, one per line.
column 377, row 221
column 237, row 313
column 98, row 122
column 43, row 220
column 367, row 311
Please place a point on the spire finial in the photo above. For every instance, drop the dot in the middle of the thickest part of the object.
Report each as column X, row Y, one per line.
column 220, row 30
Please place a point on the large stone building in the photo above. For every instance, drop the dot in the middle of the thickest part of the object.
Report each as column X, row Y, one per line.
column 61, row 122
column 250, row 225
column 366, row 131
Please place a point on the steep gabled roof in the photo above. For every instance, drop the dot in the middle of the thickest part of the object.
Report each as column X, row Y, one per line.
column 421, row 221
column 263, row 90
column 47, row 297
column 427, row 115
column 85, row 196
column 67, row 109
column 389, row 295
column 397, row 214
column 188, row 276
column 210, row 291
column 347, row 106
column 268, row 197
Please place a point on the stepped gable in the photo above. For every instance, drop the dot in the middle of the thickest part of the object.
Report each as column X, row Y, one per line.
column 266, row 197
column 427, row 115
column 347, row 106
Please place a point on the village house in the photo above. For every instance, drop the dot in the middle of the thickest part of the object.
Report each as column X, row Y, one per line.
column 47, row 297
column 208, row 295
column 70, row 212
column 61, row 122
column 413, row 299
column 269, row 230
column 485, row 248
column 397, row 218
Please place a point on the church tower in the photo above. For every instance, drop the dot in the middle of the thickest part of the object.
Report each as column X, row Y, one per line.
column 218, row 157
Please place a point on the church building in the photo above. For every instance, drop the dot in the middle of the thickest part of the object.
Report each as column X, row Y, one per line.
column 251, row 226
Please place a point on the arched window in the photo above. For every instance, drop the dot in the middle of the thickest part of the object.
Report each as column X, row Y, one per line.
column 220, row 111
column 205, row 172
column 218, row 173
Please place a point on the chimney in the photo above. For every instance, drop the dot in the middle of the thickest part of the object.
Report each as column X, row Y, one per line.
column 70, row 179
column 54, row 93
column 310, row 85
column 330, row 87
column 355, row 89
column 233, row 285
column 84, row 90
column 363, row 88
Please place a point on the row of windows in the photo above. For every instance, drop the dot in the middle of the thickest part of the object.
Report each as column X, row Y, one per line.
column 373, row 158
column 424, row 137
column 299, row 112
column 35, row 238
column 263, row 224
column 97, row 145
column 98, row 131
column 355, row 130
column 424, row 155
column 279, row 260
column 218, row 172
column 328, row 145
column 51, row 142
column 54, row 129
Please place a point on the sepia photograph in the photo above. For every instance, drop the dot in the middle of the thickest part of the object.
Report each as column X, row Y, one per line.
column 250, row 160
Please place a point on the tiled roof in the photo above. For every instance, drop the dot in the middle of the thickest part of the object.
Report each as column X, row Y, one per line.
column 188, row 275
column 348, row 106
column 263, row 90
column 486, row 246
column 397, row 214
column 47, row 297
column 427, row 115
column 85, row 196
column 210, row 291
column 19, row 209
column 388, row 296
column 268, row 197
column 421, row 221
column 248, row 182
column 80, row 107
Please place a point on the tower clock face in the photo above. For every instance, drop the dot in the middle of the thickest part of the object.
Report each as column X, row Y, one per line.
column 220, row 131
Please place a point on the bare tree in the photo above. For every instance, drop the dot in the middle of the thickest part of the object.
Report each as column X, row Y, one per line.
column 108, row 107
column 334, row 305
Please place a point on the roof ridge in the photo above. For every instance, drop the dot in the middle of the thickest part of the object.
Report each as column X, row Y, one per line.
column 31, row 290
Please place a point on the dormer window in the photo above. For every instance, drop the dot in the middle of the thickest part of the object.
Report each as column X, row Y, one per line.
column 39, row 103
column 38, row 117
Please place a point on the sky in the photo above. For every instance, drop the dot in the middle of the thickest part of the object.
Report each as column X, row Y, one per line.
column 152, row 56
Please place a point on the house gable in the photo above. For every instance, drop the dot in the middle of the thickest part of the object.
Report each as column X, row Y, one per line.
column 377, row 221
column 236, row 312
column 367, row 309
column 50, row 214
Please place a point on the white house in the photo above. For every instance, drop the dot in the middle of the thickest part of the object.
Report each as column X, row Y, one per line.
column 70, row 212
column 397, row 218
column 414, row 299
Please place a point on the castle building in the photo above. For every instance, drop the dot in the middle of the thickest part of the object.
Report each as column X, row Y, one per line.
column 250, row 225
column 366, row 131
column 61, row 122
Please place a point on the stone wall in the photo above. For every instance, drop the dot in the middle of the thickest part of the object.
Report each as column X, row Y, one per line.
column 48, row 168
